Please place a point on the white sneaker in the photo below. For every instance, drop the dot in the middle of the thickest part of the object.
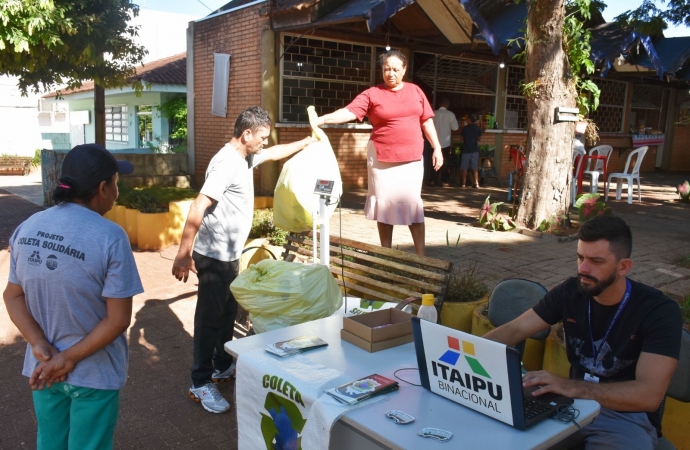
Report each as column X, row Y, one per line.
column 221, row 377
column 210, row 398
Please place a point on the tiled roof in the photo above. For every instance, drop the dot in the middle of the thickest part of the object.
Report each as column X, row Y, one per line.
column 170, row 70
column 290, row 5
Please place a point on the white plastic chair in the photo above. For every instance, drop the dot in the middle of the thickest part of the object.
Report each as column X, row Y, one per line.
column 600, row 150
column 578, row 157
column 631, row 176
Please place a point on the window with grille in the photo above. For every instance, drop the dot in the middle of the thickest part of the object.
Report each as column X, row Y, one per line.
column 325, row 73
column 609, row 116
column 116, row 123
column 516, row 104
column 647, row 107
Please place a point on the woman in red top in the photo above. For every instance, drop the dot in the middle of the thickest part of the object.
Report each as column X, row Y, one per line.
column 398, row 112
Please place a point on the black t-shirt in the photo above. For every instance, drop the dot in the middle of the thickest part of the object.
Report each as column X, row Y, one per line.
column 470, row 138
column 650, row 323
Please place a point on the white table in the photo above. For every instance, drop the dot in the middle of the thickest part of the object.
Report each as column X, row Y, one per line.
column 368, row 427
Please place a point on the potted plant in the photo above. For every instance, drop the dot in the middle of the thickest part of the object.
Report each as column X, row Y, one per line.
column 265, row 239
column 466, row 290
column 153, row 226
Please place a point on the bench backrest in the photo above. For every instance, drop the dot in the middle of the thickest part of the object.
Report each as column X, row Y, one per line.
column 373, row 272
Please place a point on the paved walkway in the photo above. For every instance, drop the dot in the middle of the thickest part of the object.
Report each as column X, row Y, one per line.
column 155, row 411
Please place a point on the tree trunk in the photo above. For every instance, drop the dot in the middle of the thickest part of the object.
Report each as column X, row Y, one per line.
column 548, row 172
column 99, row 113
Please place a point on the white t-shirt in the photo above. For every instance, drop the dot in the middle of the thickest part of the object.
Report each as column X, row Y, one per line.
column 68, row 260
column 444, row 122
column 226, row 224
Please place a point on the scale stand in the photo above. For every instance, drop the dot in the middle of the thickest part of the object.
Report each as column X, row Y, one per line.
column 324, row 189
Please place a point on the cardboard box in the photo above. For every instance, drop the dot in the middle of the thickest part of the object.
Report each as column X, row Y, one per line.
column 362, row 332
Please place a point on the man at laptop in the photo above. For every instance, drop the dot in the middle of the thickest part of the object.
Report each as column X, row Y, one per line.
column 622, row 340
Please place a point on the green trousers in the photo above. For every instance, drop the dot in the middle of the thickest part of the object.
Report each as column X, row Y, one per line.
column 75, row 418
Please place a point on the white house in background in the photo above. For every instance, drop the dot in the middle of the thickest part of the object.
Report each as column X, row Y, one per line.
column 131, row 121
column 26, row 128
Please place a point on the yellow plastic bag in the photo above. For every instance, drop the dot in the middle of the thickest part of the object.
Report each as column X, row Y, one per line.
column 294, row 199
column 278, row 294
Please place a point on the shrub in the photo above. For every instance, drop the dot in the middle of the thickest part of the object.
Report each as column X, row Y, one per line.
column 490, row 217
column 466, row 285
column 262, row 227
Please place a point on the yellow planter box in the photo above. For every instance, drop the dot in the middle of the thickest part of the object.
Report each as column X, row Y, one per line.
column 111, row 215
column 555, row 356
column 131, row 225
column 120, row 218
column 263, row 202
column 676, row 423
column 255, row 255
column 153, row 230
column 178, row 211
column 534, row 350
column 458, row 315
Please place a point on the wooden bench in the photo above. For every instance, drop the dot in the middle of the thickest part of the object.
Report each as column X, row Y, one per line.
column 15, row 165
column 370, row 272
column 377, row 273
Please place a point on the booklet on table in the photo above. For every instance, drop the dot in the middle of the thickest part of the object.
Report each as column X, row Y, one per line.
column 362, row 389
column 297, row 345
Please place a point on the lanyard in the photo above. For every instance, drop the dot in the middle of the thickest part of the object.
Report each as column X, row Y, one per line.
column 595, row 351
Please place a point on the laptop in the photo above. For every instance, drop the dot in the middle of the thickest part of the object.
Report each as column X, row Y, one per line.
column 480, row 374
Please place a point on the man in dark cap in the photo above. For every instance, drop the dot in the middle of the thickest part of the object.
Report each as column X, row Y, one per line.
column 69, row 292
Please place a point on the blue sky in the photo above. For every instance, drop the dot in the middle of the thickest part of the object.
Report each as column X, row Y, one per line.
column 197, row 8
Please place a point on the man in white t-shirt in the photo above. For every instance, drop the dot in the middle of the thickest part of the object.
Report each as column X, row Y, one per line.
column 222, row 216
column 445, row 122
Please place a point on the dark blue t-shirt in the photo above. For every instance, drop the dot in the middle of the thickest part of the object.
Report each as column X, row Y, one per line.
column 470, row 138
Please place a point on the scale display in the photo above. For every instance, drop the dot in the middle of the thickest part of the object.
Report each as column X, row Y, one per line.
column 324, row 187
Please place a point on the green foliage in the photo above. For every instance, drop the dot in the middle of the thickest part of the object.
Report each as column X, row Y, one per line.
column 685, row 309
column 491, row 218
column 36, row 159
column 651, row 20
column 683, row 262
column 262, row 227
column 51, row 42
column 154, row 198
column 576, row 45
column 175, row 110
column 556, row 224
column 683, row 191
column 588, row 207
column 466, row 285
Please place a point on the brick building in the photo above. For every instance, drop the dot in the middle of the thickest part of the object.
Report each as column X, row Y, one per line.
column 287, row 54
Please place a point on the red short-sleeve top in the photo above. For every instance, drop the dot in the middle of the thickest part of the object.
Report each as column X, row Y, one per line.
column 397, row 118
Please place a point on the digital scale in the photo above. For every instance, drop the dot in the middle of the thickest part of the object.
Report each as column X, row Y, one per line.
column 324, row 189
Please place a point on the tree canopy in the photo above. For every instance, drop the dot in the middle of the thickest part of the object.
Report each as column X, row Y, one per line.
column 651, row 18
column 49, row 42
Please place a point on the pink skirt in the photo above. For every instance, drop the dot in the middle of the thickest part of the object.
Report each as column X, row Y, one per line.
column 394, row 194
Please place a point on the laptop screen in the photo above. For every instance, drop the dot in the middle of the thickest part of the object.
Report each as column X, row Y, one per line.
column 464, row 368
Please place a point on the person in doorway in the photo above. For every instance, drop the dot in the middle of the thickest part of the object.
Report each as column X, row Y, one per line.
column 444, row 122
column 470, row 151
column 220, row 219
column 399, row 112
column 622, row 340
column 69, row 292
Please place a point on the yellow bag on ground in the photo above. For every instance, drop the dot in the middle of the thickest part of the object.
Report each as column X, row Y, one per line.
column 294, row 199
column 278, row 294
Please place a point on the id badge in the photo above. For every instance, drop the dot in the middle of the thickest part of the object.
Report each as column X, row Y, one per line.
column 591, row 378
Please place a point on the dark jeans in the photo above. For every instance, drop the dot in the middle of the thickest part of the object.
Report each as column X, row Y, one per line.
column 214, row 318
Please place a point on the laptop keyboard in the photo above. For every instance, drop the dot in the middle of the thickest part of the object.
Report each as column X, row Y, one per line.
column 533, row 408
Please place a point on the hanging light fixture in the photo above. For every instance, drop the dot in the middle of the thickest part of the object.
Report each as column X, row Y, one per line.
column 388, row 46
